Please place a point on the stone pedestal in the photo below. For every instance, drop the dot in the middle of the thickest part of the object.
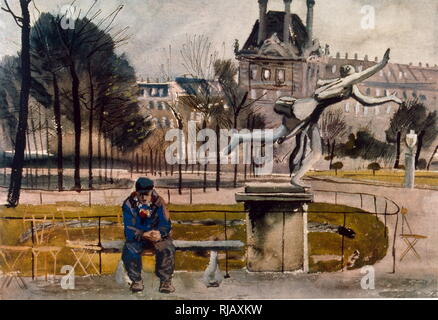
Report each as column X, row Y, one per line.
column 409, row 170
column 276, row 226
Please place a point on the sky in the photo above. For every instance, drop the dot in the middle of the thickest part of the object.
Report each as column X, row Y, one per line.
column 407, row 27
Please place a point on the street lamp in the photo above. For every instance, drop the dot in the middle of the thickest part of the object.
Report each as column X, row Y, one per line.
column 411, row 141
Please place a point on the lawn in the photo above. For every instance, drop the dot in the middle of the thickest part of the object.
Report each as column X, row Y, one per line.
column 422, row 178
column 370, row 240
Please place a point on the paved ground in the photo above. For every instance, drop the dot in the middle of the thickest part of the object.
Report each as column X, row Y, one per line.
column 413, row 278
column 241, row 285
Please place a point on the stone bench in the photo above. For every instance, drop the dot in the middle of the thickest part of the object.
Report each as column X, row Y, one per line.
column 211, row 275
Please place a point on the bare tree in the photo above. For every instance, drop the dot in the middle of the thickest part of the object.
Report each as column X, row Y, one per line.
column 175, row 109
column 235, row 96
column 199, row 57
column 333, row 127
column 23, row 22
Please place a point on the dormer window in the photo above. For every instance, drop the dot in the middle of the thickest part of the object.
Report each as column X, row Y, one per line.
column 253, row 72
column 266, row 74
column 280, row 76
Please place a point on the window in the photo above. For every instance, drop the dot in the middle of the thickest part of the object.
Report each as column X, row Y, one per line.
column 253, row 72
column 378, row 92
column 154, row 92
column 357, row 108
column 266, row 74
column 400, row 75
column 381, row 73
column 280, row 76
column 151, row 105
column 359, row 68
column 405, row 95
column 347, row 107
column 368, row 91
column 253, row 94
column 160, row 105
column 388, row 109
column 334, row 69
column 365, row 110
column 423, row 97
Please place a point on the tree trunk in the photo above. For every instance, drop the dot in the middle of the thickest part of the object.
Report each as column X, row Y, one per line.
column 332, row 153
column 165, row 163
column 77, row 126
column 4, row 168
column 111, row 159
column 105, row 155
column 49, row 175
column 218, row 159
column 158, row 162
column 57, row 113
column 99, row 142
column 29, row 159
column 136, row 163
column 235, row 165
column 35, row 143
column 419, row 147
column 151, row 155
column 431, row 158
column 90, row 129
column 397, row 156
column 40, row 128
column 204, row 187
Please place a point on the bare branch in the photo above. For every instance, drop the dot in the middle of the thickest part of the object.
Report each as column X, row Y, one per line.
column 18, row 20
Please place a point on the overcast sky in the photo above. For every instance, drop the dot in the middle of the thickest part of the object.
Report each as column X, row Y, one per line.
column 408, row 27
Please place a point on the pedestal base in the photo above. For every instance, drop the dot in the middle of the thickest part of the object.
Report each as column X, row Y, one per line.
column 275, row 226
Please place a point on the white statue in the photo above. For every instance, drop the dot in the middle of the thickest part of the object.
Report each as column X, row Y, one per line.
column 300, row 116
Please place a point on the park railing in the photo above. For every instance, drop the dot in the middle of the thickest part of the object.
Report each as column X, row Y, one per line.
column 97, row 225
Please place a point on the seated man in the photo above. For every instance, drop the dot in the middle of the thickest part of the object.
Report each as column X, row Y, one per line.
column 147, row 226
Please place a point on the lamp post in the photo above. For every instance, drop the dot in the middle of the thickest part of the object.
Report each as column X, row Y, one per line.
column 411, row 141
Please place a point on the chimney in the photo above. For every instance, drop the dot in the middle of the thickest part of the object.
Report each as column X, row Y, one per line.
column 309, row 21
column 287, row 20
column 263, row 6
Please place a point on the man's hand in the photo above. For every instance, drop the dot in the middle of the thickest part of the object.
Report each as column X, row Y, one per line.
column 153, row 235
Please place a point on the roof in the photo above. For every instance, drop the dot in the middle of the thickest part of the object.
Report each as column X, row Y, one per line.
column 275, row 24
column 191, row 85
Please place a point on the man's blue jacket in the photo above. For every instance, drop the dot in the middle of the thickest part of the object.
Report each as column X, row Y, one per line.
column 134, row 225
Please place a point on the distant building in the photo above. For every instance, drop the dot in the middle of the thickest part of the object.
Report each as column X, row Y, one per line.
column 154, row 98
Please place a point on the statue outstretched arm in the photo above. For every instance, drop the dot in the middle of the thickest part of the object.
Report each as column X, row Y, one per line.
column 361, row 76
column 373, row 101
column 336, row 88
column 293, row 133
column 321, row 82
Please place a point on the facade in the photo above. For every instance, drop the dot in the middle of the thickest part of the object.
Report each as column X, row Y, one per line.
column 155, row 97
